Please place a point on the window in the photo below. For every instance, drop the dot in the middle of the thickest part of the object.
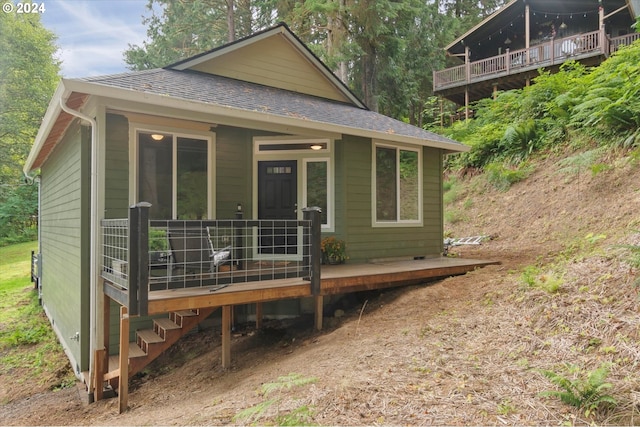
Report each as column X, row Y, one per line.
column 317, row 187
column 397, row 181
column 173, row 175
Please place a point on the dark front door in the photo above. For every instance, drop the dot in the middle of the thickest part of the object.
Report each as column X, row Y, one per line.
column 277, row 196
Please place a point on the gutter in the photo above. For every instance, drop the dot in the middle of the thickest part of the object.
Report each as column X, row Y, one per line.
column 93, row 239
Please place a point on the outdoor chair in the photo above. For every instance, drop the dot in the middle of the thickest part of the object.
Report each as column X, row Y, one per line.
column 193, row 254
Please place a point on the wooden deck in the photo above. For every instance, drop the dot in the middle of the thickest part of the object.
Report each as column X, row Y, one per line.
column 335, row 279
column 196, row 303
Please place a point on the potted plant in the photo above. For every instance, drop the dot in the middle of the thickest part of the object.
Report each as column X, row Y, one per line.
column 334, row 251
column 158, row 246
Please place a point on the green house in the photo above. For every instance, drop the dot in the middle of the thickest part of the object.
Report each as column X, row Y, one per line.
column 259, row 126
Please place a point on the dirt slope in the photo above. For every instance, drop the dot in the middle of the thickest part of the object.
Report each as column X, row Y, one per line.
column 461, row 351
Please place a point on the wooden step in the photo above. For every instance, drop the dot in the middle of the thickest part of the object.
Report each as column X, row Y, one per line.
column 167, row 324
column 149, row 336
column 186, row 313
column 162, row 325
column 145, row 337
column 179, row 316
column 135, row 351
column 114, row 361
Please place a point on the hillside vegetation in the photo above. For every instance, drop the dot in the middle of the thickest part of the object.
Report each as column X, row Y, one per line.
column 597, row 109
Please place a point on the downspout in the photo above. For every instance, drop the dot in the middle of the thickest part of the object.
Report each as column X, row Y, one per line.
column 93, row 239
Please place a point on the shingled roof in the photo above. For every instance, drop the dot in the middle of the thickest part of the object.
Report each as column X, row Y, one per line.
column 226, row 92
column 254, row 100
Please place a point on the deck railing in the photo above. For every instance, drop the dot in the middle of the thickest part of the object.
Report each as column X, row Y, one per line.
column 142, row 256
column 552, row 52
column 626, row 40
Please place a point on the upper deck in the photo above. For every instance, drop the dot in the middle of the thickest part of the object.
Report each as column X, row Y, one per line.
column 513, row 69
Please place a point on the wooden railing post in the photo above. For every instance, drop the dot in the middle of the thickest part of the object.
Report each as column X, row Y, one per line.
column 313, row 214
column 139, row 259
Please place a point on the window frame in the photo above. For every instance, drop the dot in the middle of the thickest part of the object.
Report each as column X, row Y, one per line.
column 398, row 222
column 134, row 154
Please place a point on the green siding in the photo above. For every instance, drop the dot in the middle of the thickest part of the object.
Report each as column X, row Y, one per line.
column 65, row 241
column 233, row 156
column 116, row 167
column 353, row 207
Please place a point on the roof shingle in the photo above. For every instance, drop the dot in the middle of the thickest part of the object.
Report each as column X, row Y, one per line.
column 223, row 91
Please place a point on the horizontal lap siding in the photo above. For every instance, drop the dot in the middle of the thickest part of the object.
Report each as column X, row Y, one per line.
column 273, row 63
column 233, row 171
column 432, row 200
column 65, row 242
column 117, row 167
column 365, row 242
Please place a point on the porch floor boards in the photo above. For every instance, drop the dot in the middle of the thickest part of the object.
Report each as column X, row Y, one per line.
column 335, row 279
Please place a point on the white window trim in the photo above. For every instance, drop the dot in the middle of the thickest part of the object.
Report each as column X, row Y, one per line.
column 374, row 194
column 136, row 128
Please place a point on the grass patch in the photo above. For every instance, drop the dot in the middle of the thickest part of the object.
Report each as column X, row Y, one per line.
column 452, row 189
column 29, row 350
column 534, row 277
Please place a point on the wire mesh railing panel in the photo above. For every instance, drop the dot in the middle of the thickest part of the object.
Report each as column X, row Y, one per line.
column 186, row 254
column 115, row 252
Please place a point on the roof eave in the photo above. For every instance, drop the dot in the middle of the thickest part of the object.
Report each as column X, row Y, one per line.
column 48, row 121
column 97, row 89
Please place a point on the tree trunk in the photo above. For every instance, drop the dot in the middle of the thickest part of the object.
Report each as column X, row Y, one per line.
column 231, row 26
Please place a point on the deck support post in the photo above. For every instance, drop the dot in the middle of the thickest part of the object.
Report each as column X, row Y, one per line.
column 123, row 386
column 258, row 315
column 101, row 359
column 98, row 380
column 319, row 305
column 226, row 336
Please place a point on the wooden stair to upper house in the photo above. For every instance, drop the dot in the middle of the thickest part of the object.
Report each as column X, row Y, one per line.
column 151, row 343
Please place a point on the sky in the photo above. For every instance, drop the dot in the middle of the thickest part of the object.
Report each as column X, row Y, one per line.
column 93, row 34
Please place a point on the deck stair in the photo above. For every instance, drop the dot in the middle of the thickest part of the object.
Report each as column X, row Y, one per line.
column 151, row 343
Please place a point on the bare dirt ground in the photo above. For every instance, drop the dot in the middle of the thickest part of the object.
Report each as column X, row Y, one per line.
column 465, row 350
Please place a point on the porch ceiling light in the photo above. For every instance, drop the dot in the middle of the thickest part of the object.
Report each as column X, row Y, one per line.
column 316, row 147
column 507, row 41
column 157, row 137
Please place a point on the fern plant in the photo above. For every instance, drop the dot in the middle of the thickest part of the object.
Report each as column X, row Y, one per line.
column 583, row 392
column 298, row 416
